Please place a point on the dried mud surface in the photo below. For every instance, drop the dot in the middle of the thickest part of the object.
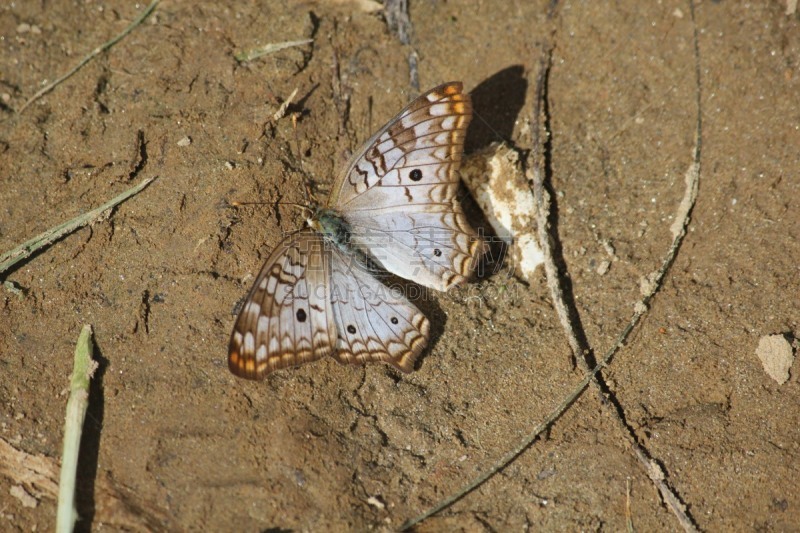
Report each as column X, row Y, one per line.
column 185, row 445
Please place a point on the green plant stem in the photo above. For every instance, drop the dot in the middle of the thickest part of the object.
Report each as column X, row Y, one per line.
column 82, row 371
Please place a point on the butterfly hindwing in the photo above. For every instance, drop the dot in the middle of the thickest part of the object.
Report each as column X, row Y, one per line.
column 433, row 247
column 286, row 318
column 375, row 322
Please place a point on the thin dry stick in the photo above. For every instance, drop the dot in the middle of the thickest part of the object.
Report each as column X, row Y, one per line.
column 639, row 310
column 24, row 250
column 100, row 49
column 654, row 472
column 395, row 12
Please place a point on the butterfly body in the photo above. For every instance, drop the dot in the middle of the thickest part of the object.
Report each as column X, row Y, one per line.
column 394, row 205
column 332, row 226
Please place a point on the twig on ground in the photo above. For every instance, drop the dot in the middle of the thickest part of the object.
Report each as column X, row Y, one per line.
column 543, row 201
column 100, row 49
column 395, row 12
column 26, row 249
column 397, row 20
column 654, row 471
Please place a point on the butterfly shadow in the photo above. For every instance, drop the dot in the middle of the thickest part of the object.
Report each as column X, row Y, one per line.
column 426, row 301
column 496, row 104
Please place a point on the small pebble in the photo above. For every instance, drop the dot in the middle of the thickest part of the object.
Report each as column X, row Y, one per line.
column 776, row 357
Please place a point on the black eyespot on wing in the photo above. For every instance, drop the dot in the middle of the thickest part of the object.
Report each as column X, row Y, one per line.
column 437, row 252
column 393, row 320
column 351, row 329
column 415, row 175
column 301, row 315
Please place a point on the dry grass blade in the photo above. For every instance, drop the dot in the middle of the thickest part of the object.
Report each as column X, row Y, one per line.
column 271, row 48
column 24, row 250
column 100, row 49
column 281, row 112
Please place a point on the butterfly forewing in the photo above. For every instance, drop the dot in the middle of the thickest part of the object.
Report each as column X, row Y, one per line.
column 287, row 318
column 429, row 131
column 399, row 192
column 375, row 322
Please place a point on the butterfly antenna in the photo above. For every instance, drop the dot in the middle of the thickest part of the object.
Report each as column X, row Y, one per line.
column 236, row 203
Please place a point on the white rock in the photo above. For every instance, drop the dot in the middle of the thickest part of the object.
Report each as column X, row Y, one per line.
column 494, row 177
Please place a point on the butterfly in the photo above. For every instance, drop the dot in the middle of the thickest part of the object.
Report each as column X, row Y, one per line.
column 393, row 205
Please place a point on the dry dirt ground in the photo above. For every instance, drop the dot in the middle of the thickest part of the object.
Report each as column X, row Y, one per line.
column 175, row 442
